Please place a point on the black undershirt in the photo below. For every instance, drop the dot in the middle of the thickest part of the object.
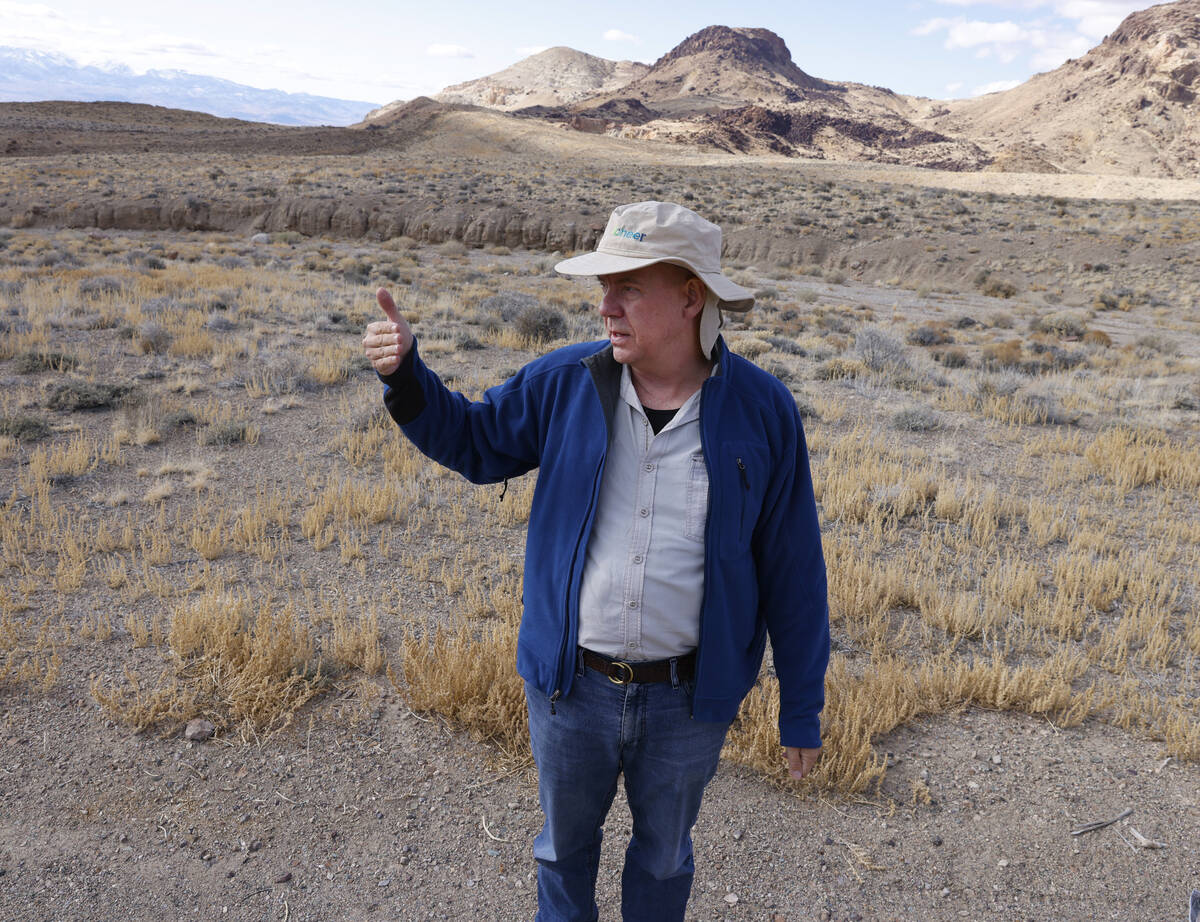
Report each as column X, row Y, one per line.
column 659, row 418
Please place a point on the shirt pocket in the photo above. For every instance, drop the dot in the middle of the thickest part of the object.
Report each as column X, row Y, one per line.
column 696, row 511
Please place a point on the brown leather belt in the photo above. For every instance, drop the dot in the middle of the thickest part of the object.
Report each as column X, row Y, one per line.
column 623, row 673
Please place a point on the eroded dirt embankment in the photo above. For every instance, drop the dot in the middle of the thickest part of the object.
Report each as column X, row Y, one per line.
column 423, row 219
column 1032, row 258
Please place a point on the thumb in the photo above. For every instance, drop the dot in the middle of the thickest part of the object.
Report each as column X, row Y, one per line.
column 384, row 297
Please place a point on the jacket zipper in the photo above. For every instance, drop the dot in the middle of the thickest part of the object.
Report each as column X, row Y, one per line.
column 741, row 465
column 562, row 647
column 707, row 541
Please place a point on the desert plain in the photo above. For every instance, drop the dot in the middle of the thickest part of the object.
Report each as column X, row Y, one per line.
column 206, row 514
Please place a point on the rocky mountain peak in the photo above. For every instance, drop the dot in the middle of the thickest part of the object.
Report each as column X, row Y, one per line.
column 761, row 46
column 1172, row 24
column 1158, row 48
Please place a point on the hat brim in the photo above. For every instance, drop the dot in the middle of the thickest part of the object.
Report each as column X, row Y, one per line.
column 733, row 296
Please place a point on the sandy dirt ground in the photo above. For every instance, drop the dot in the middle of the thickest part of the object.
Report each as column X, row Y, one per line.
column 400, row 818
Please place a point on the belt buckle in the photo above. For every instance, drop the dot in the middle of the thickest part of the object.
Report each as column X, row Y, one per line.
column 621, row 678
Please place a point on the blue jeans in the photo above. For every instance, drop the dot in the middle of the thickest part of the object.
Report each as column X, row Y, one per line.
column 598, row 732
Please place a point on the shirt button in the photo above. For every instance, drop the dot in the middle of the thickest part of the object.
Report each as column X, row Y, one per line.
column 633, row 603
column 643, row 512
column 632, row 645
column 649, row 468
column 637, row 558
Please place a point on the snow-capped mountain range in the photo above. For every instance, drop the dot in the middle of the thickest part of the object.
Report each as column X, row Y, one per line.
column 32, row 76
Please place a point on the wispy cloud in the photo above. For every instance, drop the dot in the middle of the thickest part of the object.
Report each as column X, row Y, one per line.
column 616, row 35
column 449, row 51
column 997, row 86
column 190, row 49
column 1091, row 18
column 11, row 10
column 1005, row 40
column 1044, row 32
column 1074, row 27
column 1096, row 18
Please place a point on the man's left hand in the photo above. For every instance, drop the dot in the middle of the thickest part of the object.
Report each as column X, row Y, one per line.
column 800, row 761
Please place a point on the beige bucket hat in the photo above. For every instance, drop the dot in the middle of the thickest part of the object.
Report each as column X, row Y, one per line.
column 645, row 233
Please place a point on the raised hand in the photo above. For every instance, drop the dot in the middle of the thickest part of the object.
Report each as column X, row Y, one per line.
column 387, row 342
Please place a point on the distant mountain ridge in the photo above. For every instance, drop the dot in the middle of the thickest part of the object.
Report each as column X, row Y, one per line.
column 736, row 90
column 1127, row 107
column 33, row 76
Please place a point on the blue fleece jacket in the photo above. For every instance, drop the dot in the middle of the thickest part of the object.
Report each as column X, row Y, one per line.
column 764, row 571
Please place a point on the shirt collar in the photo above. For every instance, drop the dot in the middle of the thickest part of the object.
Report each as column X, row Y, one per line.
column 688, row 412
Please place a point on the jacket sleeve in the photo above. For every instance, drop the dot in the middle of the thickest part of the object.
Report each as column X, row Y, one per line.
column 486, row 441
column 793, row 596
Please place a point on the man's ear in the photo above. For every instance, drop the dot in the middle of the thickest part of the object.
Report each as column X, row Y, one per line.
column 697, row 294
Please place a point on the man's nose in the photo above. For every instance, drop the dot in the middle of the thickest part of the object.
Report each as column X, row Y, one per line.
column 608, row 304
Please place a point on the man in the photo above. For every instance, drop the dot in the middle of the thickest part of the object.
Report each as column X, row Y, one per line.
column 673, row 527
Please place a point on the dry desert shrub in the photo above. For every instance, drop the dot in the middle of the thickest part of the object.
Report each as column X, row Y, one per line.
column 541, row 324
column 838, row 369
column 24, row 427
column 465, row 671
column 35, row 361
column 880, row 351
column 241, row 663
column 83, row 394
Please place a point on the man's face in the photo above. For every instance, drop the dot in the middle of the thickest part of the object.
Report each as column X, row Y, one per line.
column 650, row 315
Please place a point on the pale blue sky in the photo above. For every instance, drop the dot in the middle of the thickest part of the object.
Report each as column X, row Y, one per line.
column 378, row 51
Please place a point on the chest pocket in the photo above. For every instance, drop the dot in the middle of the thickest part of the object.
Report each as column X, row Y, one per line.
column 696, row 511
column 744, row 475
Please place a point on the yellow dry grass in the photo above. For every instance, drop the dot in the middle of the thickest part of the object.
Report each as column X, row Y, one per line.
column 466, row 672
column 243, row 663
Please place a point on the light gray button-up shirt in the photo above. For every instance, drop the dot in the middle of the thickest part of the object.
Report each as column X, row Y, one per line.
column 643, row 581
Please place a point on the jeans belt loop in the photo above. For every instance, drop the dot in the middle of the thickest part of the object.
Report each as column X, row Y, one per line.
column 674, row 661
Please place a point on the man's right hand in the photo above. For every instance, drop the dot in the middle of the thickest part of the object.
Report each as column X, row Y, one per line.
column 387, row 342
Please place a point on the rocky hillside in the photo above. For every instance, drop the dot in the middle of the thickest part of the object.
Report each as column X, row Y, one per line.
column 557, row 76
column 1126, row 107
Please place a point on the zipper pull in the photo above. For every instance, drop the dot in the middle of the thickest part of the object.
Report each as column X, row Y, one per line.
column 557, row 694
column 742, row 470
